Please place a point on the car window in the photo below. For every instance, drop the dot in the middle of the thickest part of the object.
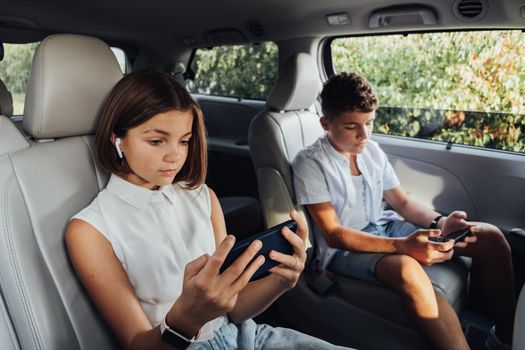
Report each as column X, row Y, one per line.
column 14, row 70
column 244, row 71
column 460, row 87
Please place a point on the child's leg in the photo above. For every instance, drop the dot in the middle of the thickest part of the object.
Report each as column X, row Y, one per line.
column 492, row 267
column 429, row 311
column 273, row 338
column 251, row 336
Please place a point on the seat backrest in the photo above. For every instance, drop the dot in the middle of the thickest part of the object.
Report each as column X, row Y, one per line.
column 7, row 333
column 42, row 186
column 278, row 133
column 6, row 100
column 11, row 139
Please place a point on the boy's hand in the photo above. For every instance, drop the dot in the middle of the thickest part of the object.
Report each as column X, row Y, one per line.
column 454, row 222
column 291, row 265
column 418, row 246
column 457, row 220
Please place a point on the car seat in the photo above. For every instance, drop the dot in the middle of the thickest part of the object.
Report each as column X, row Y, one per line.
column 353, row 312
column 42, row 185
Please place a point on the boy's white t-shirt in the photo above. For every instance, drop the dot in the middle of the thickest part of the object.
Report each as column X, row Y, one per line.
column 357, row 216
column 322, row 174
column 155, row 234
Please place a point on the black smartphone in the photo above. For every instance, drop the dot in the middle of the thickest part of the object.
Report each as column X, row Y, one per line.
column 459, row 235
column 271, row 239
column 456, row 236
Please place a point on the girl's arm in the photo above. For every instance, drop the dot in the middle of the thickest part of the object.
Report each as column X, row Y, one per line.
column 108, row 286
column 258, row 295
column 206, row 294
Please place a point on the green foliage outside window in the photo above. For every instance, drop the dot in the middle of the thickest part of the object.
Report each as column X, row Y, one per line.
column 245, row 71
column 462, row 87
column 14, row 71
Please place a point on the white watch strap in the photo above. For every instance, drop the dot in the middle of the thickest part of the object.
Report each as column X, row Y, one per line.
column 164, row 326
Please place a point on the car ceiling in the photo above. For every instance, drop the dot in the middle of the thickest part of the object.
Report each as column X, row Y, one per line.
column 200, row 23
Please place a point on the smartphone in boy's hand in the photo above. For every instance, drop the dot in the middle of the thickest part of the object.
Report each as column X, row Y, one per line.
column 456, row 236
column 271, row 239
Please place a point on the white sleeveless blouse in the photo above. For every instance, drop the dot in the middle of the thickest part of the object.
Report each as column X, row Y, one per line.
column 155, row 234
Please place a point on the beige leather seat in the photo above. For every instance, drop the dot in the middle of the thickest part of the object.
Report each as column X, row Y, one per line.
column 355, row 313
column 6, row 101
column 41, row 187
column 10, row 141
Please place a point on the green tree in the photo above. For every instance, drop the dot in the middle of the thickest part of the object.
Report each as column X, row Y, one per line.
column 246, row 71
column 14, row 69
column 462, row 87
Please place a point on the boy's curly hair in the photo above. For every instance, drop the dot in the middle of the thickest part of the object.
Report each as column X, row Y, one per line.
column 347, row 92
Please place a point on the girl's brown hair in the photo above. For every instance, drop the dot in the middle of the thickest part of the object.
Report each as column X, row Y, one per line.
column 134, row 100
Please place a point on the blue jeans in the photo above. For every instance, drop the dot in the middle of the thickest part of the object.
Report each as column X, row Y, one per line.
column 251, row 336
column 363, row 265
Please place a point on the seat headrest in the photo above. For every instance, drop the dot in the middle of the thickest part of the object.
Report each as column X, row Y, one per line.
column 6, row 101
column 298, row 84
column 70, row 78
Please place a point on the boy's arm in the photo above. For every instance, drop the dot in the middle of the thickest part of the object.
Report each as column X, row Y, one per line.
column 410, row 209
column 340, row 237
column 418, row 213
column 416, row 244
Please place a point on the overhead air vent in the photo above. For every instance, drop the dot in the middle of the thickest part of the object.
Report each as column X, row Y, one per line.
column 255, row 28
column 470, row 10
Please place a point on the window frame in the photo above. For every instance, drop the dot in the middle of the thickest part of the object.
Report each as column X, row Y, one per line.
column 329, row 70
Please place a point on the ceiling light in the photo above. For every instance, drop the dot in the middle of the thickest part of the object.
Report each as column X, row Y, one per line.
column 338, row 19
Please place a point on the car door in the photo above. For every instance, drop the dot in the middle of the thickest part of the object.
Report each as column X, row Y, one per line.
column 452, row 119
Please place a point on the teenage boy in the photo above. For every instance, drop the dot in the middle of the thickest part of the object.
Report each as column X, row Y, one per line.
column 342, row 179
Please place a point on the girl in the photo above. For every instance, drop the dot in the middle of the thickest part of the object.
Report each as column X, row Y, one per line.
column 149, row 247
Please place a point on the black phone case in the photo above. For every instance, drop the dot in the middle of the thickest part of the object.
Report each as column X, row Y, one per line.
column 456, row 236
column 272, row 239
column 459, row 235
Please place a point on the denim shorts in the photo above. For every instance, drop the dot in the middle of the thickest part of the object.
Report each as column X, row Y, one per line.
column 363, row 265
column 251, row 336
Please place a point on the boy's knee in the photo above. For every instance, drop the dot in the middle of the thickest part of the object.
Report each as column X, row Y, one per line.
column 495, row 240
column 405, row 271
column 412, row 273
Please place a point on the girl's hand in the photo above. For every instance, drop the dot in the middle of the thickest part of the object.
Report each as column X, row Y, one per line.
column 291, row 266
column 207, row 293
column 427, row 252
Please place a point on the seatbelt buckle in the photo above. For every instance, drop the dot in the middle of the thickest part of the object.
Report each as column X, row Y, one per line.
column 322, row 283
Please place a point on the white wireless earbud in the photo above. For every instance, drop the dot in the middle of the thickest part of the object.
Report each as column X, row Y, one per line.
column 117, row 146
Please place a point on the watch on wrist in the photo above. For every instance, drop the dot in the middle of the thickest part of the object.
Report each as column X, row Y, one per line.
column 434, row 223
column 174, row 338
